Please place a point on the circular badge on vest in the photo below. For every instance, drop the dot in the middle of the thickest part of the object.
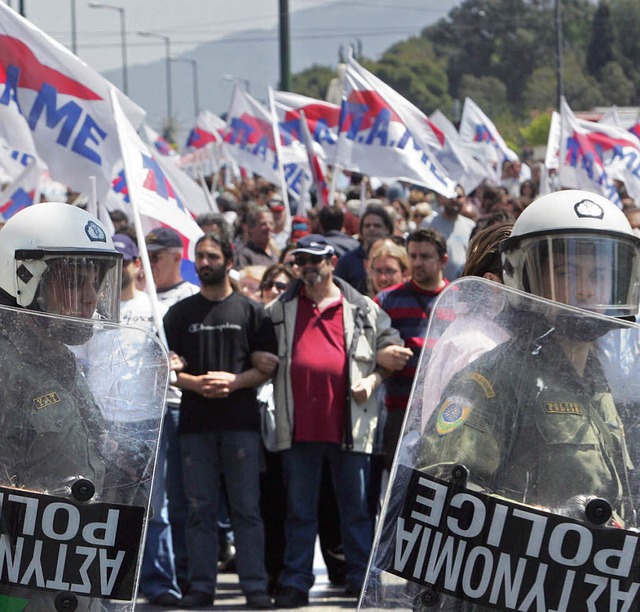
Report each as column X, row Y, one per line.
column 94, row 232
column 453, row 413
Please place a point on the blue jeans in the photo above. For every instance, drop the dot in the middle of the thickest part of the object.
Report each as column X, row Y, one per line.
column 302, row 469
column 206, row 456
column 158, row 574
column 178, row 504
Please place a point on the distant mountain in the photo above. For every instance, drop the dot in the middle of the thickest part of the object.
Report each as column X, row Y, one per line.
column 316, row 36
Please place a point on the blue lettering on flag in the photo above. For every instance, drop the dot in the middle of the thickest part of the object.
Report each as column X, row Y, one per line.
column 354, row 111
column 119, row 185
column 90, row 131
column 322, row 133
column 293, row 177
column 290, row 130
column 69, row 113
column 158, row 176
column 11, row 88
column 23, row 159
column 380, row 128
column 19, row 200
column 483, row 134
column 240, row 132
column 262, row 148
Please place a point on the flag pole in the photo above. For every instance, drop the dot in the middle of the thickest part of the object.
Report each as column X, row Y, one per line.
column 150, row 286
column 334, row 183
column 276, row 140
column 207, row 194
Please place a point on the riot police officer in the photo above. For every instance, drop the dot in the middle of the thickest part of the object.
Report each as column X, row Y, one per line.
column 545, row 431
column 60, row 273
column 517, row 488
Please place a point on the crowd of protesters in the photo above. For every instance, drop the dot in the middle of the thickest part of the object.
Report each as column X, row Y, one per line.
column 295, row 353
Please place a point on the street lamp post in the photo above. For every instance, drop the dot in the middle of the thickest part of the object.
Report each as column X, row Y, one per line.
column 123, row 39
column 285, row 52
column 194, row 70
column 559, row 51
column 167, row 44
column 74, row 28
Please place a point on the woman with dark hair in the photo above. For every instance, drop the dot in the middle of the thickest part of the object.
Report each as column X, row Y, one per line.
column 528, row 190
column 483, row 254
column 275, row 280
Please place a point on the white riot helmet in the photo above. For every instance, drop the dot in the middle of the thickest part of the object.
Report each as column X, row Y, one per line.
column 577, row 248
column 59, row 259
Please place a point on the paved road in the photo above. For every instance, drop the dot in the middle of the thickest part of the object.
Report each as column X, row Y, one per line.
column 323, row 596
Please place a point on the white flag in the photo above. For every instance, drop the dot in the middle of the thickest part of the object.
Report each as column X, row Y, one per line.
column 249, row 138
column 209, row 128
column 581, row 163
column 63, row 102
column 22, row 192
column 148, row 187
column 322, row 118
column 159, row 143
column 478, row 130
column 382, row 134
column 611, row 117
column 454, row 155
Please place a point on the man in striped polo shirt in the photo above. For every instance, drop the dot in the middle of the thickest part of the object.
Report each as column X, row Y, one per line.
column 408, row 305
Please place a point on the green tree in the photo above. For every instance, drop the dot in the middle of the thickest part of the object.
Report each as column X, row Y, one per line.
column 413, row 70
column 313, row 82
column 536, row 133
column 615, row 87
column 489, row 93
column 625, row 21
column 541, row 89
column 580, row 89
column 600, row 49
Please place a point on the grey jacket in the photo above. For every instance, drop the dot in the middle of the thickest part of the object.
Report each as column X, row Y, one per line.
column 367, row 328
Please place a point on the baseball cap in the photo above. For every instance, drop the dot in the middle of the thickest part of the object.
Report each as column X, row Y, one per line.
column 314, row 244
column 299, row 228
column 163, row 238
column 125, row 246
column 275, row 204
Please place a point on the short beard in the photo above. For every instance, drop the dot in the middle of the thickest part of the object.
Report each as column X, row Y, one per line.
column 214, row 277
column 312, row 278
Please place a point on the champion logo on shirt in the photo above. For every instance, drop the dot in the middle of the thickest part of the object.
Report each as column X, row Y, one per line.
column 196, row 327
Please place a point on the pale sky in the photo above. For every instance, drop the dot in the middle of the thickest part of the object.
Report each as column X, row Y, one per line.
column 187, row 22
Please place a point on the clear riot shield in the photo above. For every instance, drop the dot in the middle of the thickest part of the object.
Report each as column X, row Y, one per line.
column 81, row 406
column 515, row 484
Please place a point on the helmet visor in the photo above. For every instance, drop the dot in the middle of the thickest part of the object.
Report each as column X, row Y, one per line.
column 599, row 274
column 86, row 287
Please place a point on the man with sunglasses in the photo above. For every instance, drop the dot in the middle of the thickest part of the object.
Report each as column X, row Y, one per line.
column 329, row 340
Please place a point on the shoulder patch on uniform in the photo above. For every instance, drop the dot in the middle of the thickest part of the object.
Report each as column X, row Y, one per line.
column 46, row 400
column 453, row 413
column 563, row 408
column 487, row 387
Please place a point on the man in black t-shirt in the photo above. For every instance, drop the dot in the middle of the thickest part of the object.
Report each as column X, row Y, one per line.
column 218, row 334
